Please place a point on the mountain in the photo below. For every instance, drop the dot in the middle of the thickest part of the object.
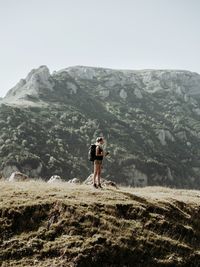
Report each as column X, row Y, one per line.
column 149, row 118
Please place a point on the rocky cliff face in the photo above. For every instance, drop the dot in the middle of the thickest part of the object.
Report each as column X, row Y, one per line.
column 37, row 81
column 150, row 119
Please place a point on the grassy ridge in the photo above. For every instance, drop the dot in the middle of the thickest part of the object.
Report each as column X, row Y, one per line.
column 76, row 225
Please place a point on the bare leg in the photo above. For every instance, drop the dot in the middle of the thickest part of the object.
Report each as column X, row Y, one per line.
column 99, row 175
column 95, row 174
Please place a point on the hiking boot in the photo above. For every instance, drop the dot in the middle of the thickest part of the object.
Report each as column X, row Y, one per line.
column 99, row 186
column 95, row 186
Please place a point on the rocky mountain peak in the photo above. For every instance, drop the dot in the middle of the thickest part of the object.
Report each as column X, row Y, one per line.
column 104, row 82
column 41, row 74
column 36, row 81
column 181, row 82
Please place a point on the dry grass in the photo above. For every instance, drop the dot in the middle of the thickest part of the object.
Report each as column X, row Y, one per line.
column 76, row 225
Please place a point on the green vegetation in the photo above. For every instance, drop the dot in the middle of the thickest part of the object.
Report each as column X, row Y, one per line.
column 152, row 131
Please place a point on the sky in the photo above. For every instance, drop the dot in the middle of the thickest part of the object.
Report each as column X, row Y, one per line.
column 119, row 34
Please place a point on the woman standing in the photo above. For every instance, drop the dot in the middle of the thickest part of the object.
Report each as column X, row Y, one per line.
column 98, row 162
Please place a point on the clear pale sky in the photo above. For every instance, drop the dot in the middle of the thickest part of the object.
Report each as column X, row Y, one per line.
column 120, row 34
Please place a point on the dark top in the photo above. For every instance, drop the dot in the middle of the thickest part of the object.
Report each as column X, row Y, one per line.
column 99, row 157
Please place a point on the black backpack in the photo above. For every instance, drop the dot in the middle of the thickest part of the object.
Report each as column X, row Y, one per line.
column 92, row 152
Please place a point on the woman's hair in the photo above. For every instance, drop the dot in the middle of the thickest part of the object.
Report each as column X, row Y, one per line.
column 99, row 139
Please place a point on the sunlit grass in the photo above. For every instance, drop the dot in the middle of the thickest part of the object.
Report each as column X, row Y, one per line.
column 61, row 224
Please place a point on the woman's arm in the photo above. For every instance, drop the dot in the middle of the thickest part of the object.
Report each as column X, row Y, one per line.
column 102, row 153
column 98, row 152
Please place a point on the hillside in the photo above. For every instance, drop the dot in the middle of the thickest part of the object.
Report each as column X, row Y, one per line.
column 150, row 119
column 75, row 225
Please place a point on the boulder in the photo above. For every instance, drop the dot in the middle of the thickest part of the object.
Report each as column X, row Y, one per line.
column 74, row 181
column 110, row 183
column 17, row 177
column 123, row 94
column 89, row 180
column 55, row 179
column 104, row 182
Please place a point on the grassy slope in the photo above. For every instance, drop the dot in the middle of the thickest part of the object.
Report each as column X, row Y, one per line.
column 75, row 225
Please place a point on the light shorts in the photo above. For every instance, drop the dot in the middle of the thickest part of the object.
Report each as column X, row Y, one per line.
column 98, row 162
